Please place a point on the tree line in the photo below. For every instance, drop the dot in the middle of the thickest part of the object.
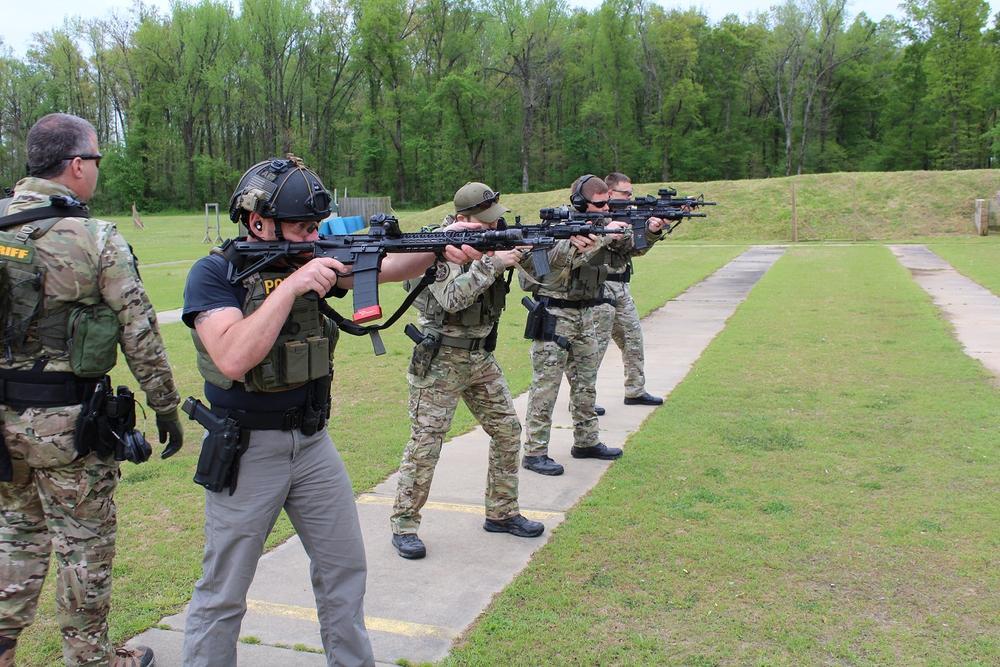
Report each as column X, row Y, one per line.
column 411, row 98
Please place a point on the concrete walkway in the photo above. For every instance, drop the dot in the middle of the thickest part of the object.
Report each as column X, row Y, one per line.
column 416, row 609
column 972, row 309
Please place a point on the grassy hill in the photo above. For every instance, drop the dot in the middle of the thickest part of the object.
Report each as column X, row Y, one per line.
column 841, row 206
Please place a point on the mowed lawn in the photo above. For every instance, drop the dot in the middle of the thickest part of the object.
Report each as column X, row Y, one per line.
column 821, row 489
column 978, row 259
column 160, row 508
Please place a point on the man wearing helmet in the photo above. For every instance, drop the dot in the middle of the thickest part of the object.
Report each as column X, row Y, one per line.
column 265, row 350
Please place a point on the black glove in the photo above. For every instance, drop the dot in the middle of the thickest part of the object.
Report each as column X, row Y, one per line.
column 171, row 433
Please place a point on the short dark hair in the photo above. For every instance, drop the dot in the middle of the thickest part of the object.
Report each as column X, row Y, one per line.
column 591, row 187
column 54, row 137
column 616, row 178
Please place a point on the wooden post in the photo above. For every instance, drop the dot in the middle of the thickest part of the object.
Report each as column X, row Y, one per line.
column 795, row 218
column 982, row 219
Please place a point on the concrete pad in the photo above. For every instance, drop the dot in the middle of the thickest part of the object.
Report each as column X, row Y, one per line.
column 168, row 647
column 416, row 609
column 972, row 309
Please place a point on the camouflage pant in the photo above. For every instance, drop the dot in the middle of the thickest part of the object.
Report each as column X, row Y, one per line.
column 478, row 380
column 579, row 363
column 56, row 503
column 620, row 322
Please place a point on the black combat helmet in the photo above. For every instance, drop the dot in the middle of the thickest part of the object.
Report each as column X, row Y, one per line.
column 283, row 189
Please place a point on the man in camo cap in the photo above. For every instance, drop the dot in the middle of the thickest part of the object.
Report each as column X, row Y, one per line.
column 453, row 358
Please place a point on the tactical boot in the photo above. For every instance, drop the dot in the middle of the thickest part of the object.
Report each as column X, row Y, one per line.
column 599, row 451
column 409, row 546
column 133, row 656
column 516, row 525
column 599, row 410
column 543, row 465
column 7, row 651
column 643, row 399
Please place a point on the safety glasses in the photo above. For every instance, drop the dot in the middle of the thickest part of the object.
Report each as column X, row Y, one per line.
column 489, row 198
column 96, row 157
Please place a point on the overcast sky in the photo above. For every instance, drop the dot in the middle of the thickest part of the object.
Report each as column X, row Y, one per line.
column 18, row 24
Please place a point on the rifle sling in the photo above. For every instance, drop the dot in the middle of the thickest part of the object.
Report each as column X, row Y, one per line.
column 349, row 327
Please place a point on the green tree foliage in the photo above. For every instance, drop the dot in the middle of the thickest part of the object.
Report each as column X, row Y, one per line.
column 411, row 98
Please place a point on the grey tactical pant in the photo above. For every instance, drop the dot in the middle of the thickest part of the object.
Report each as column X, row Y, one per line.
column 305, row 476
column 620, row 322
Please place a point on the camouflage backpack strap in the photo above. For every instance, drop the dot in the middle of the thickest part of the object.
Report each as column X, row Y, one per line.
column 61, row 207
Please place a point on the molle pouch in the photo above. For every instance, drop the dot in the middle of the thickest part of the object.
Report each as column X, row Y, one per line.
column 424, row 353
column 92, row 336
column 319, row 357
column 295, row 360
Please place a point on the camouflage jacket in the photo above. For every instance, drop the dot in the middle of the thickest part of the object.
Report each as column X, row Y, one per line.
column 619, row 263
column 89, row 261
column 457, row 288
column 564, row 258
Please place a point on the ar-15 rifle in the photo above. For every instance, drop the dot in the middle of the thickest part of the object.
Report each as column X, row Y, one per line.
column 666, row 205
column 632, row 214
column 364, row 254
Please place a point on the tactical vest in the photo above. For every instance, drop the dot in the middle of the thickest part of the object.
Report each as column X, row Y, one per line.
column 486, row 310
column 303, row 350
column 86, row 333
column 587, row 281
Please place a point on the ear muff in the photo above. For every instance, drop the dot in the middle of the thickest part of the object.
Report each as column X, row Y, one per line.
column 576, row 197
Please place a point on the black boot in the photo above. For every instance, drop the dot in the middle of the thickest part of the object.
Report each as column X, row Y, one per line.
column 599, row 410
column 643, row 399
column 409, row 546
column 516, row 525
column 543, row 465
column 598, row 451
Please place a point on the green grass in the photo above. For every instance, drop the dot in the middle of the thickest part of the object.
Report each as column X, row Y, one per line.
column 977, row 258
column 821, row 489
column 160, row 508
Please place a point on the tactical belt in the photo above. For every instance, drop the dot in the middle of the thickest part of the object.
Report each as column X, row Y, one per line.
column 470, row 344
column 620, row 277
column 566, row 303
column 34, row 389
column 289, row 420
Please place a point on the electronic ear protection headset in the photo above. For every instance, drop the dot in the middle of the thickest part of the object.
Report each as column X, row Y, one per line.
column 576, row 197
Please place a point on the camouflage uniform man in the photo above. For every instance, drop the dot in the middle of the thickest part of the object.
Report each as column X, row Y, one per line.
column 459, row 315
column 619, row 320
column 57, row 499
column 570, row 293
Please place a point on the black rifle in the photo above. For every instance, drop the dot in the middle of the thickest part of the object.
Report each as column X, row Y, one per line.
column 364, row 252
column 636, row 217
column 666, row 205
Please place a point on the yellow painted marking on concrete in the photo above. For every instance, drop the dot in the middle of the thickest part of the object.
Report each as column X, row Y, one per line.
column 371, row 622
column 538, row 515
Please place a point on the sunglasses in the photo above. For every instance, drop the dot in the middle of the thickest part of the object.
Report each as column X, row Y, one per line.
column 627, row 193
column 489, row 198
column 96, row 158
column 599, row 203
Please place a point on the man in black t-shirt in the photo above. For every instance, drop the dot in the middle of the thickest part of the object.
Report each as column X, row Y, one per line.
column 265, row 349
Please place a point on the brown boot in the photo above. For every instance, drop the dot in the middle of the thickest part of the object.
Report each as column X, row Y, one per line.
column 133, row 656
column 7, row 651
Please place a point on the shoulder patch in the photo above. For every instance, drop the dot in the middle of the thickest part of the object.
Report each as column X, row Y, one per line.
column 443, row 271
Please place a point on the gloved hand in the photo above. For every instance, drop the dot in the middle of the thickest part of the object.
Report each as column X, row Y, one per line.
column 171, row 433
